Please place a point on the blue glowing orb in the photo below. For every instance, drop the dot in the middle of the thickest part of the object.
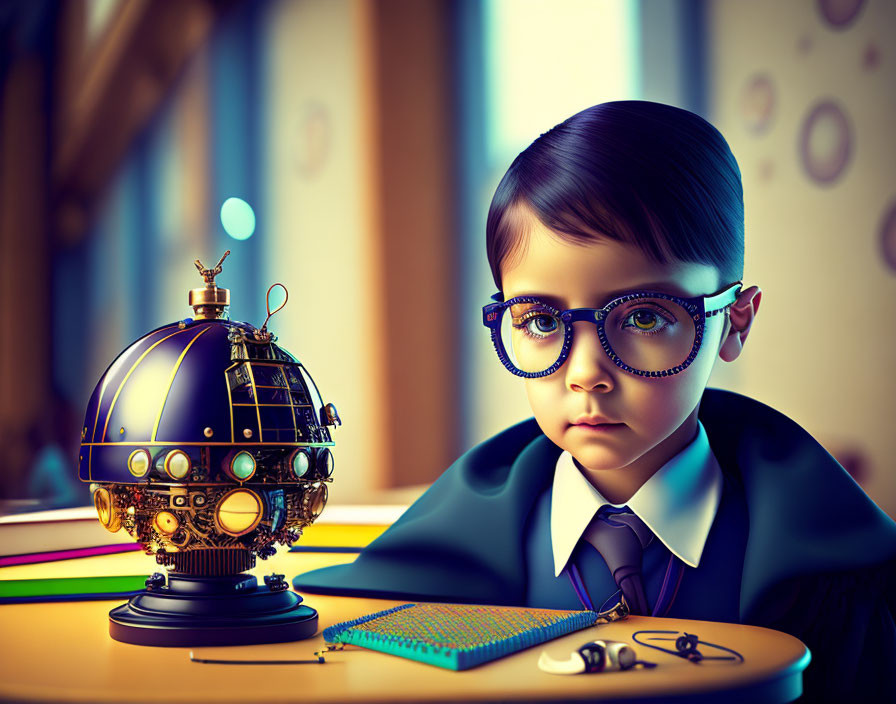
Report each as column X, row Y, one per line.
column 238, row 218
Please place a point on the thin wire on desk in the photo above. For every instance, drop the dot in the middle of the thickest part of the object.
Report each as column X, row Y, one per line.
column 210, row 661
column 686, row 647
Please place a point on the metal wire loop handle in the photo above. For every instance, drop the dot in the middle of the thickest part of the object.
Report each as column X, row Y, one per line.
column 264, row 327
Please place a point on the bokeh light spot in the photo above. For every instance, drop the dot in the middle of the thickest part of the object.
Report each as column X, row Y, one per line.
column 238, row 218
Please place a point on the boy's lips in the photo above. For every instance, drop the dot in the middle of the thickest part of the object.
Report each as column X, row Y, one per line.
column 596, row 423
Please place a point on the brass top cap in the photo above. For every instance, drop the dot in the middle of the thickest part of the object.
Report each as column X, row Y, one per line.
column 208, row 303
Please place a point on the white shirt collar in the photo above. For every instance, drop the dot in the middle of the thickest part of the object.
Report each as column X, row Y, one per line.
column 678, row 503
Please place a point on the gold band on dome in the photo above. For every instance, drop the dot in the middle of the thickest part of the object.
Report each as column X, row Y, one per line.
column 155, row 428
column 229, row 400
column 292, row 406
column 126, row 376
column 166, row 443
column 99, row 402
column 219, row 485
column 277, row 405
column 255, row 396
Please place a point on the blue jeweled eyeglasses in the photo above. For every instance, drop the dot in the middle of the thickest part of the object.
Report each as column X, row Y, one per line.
column 645, row 333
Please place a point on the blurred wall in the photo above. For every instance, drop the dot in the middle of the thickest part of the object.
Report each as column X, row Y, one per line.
column 321, row 215
column 805, row 93
column 369, row 137
column 360, row 166
column 538, row 64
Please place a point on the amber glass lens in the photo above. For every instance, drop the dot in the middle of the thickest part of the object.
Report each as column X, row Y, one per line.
column 239, row 512
column 166, row 522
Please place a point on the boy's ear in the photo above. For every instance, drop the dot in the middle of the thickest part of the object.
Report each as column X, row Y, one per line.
column 740, row 318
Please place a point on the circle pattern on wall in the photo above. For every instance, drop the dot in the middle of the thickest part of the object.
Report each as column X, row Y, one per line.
column 311, row 139
column 804, row 44
column 758, row 103
column 825, row 142
column 839, row 14
column 888, row 236
column 871, row 57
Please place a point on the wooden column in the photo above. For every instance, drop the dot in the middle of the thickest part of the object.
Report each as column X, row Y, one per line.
column 412, row 85
column 24, row 268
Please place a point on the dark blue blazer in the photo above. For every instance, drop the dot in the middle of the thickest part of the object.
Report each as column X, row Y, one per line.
column 796, row 545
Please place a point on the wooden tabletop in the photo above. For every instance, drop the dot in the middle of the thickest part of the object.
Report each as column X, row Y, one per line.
column 62, row 652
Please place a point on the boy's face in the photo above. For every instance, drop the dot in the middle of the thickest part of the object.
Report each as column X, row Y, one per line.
column 656, row 417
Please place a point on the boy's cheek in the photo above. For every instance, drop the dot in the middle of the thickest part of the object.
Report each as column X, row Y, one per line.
column 546, row 400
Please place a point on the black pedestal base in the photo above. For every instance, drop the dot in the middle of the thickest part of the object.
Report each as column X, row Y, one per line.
column 194, row 611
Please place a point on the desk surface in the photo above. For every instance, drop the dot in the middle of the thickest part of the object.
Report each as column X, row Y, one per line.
column 62, row 652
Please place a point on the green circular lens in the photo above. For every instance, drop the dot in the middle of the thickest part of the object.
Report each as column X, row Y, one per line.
column 300, row 463
column 243, row 465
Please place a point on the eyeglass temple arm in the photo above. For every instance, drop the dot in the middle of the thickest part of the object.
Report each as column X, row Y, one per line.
column 489, row 312
column 723, row 299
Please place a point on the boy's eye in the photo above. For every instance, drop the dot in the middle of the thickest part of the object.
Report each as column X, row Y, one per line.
column 537, row 324
column 645, row 320
column 543, row 324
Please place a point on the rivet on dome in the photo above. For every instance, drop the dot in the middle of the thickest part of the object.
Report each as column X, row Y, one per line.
column 247, row 433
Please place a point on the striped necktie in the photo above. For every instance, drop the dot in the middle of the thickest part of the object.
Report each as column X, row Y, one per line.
column 621, row 537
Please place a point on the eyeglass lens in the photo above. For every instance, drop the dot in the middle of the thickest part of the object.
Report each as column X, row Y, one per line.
column 646, row 333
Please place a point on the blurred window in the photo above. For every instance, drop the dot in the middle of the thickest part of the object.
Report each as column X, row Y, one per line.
column 536, row 63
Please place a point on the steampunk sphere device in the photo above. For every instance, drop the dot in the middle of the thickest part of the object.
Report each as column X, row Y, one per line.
column 209, row 444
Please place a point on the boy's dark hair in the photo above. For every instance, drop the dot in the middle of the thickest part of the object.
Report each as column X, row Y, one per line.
column 642, row 173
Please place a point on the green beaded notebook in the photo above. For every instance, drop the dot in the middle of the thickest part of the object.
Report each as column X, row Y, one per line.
column 457, row 636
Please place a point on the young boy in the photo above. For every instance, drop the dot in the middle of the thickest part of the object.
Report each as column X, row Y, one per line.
column 616, row 242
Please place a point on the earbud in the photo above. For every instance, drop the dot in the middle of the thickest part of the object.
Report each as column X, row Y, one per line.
column 596, row 656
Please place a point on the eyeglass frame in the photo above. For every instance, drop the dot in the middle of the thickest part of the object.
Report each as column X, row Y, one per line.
column 699, row 307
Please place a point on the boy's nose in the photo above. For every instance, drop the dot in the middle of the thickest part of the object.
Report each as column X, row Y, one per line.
column 588, row 368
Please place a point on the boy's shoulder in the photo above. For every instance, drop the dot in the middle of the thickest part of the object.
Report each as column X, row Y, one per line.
column 807, row 516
